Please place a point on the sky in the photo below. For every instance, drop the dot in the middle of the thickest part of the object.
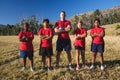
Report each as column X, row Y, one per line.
column 13, row 11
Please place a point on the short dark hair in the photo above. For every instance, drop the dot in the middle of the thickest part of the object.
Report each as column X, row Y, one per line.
column 46, row 20
column 81, row 22
column 26, row 23
column 97, row 20
column 63, row 12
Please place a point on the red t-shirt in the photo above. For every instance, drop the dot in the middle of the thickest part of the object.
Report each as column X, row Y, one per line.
column 80, row 42
column 97, row 39
column 46, row 42
column 28, row 44
column 63, row 24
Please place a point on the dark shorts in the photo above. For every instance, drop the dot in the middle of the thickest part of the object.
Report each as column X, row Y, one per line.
column 26, row 53
column 45, row 51
column 79, row 48
column 63, row 44
column 97, row 48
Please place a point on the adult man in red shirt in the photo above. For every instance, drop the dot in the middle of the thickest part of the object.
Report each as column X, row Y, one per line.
column 26, row 46
column 62, row 28
column 97, row 33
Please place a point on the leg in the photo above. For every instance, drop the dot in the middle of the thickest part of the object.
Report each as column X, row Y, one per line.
column 49, row 61
column 93, row 57
column 101, row 58
column 83, row 59
column 83, row 56
column 77, row 57
column 23, row 60
column 58, row 57
column 69, row 57
column 31, row 62
column 43, row 60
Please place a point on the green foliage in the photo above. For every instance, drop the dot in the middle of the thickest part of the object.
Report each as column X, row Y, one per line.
column 117, row 27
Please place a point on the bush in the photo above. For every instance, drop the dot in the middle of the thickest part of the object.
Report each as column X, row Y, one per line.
column 117, row 27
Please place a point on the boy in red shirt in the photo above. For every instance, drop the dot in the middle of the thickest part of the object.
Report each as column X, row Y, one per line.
column 80, row 33
column 46, row 35
column 62, row 28
column 26, row 46
column 97, row 33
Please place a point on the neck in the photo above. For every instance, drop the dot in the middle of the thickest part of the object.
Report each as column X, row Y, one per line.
column 96, row 26
column 45, row 27
column 26, row 30
column 62, row 19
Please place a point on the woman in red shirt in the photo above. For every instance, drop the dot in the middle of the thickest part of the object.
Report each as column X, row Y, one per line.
column 79, row 34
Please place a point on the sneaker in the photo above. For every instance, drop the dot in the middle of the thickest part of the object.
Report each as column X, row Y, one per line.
column 85, row 66
column 31, row 69
column 70, row 67
column 92, row 67
column 23, row 68
column 42, row 69
column 56, row 66
column 78, row 68
column 50, row 68
column 102, row 67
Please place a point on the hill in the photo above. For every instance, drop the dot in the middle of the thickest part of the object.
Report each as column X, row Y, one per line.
column 108, row 16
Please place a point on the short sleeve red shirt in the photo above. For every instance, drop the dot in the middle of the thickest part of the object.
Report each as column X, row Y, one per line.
column 97, row 39
column 63, row 24
column 28, row 44
column 80, row 42
column 46, row 42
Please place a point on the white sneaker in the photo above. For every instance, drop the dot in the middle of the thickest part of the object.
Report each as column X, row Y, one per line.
column 102, row 67
column 23, row 68
column 70, row 67
column 31, row 69
column 92, row 67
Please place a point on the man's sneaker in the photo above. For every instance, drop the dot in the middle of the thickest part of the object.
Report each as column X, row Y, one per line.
column 78, row 68
column 92, row 67
column 70, row 67
column 31, row 69
column 50, row 68
column 102, row 67
column 23, row 68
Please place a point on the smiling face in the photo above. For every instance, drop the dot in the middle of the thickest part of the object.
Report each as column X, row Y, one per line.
column 45, row 24
column 26, row 26
column 79, row 24
column 62, row 15
column 96, row 23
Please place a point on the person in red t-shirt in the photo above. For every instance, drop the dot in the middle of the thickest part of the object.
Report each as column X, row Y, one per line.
column 62, row 28
column 97, row 33
column 79, row 34
column 26, row 46
column 46, row 35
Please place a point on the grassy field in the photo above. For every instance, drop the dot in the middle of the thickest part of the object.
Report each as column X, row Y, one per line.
column 10, row 62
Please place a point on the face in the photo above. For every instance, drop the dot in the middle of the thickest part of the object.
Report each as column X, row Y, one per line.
column 62, row 15
column 96, row 23
column 25, row 27
column 45, row 24
column 79, row 25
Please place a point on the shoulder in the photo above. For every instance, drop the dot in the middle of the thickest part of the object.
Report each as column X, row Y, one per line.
column 67, row 21
column 84, row 29
column 31, row 32
column 58, row 21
